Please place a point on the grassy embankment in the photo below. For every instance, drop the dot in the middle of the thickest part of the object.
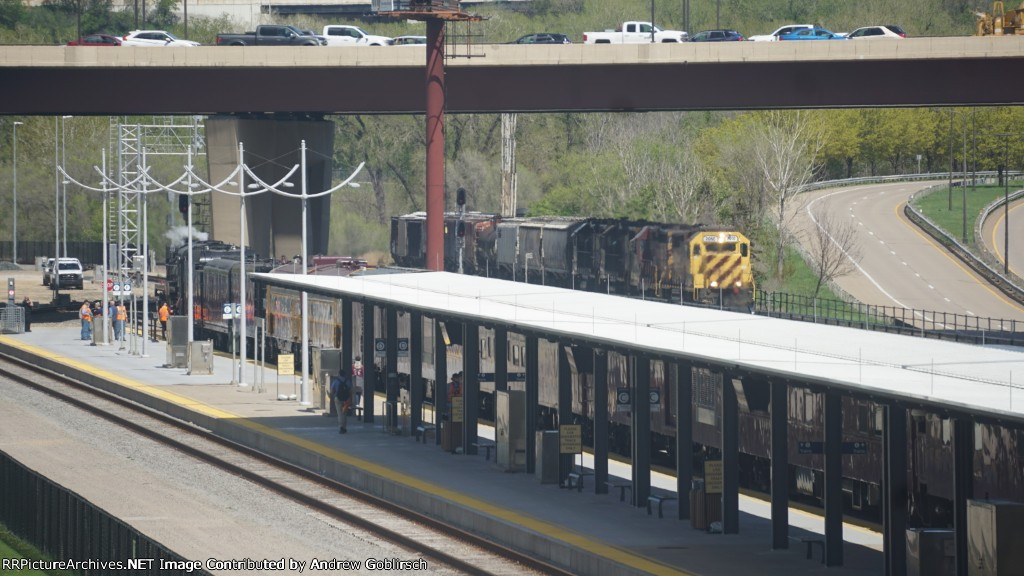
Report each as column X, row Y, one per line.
column 947, row 211
column 13, row 547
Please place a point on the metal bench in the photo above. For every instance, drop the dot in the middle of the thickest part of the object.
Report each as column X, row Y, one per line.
column 575, row 479
column 622, row 486
column 660, row 500
column 422, row 431
column 487, row 446
column 811, row 542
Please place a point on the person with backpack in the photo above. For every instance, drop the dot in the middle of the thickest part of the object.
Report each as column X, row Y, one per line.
column 341, row 391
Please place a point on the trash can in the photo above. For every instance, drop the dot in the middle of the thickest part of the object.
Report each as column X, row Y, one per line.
column 200, row 357
column 547, row 456
column 99, row 324
column 698, row 506
column 931, row 552
column 451, row 435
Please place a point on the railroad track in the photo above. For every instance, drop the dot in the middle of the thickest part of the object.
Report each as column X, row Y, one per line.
column 436, row 541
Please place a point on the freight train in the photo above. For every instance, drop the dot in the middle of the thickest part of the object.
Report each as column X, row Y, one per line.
column 693, row 264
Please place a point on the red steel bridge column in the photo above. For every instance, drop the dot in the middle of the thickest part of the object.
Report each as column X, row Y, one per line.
column 435, row 144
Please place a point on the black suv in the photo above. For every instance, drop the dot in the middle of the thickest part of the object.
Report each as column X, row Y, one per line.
column 717, row 36
column 543, row 38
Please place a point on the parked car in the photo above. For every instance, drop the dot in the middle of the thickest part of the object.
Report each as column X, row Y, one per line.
column 68, row 274
column 409, row 41
column 883, row 31
column 813, row 34
column 543, row 38
column 782, row 30
column 47, row 271
column 96, row 40
column 154, row 38
column 717, row 36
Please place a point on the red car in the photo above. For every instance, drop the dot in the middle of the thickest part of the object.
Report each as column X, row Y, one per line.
column 96, row 40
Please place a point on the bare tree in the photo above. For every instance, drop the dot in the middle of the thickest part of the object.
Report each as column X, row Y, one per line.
column 833, row 246
column 786, row 147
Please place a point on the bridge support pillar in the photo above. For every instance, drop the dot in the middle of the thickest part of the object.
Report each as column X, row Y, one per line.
column 435, row 144
column 273, row 222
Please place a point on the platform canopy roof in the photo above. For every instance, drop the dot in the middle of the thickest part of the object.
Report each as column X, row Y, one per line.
column 984, row 382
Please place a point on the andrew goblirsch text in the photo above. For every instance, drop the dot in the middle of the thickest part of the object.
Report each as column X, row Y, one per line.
column 247, row 564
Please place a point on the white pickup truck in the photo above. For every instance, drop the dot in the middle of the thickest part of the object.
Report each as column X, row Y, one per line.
column 344, row 35
column 634, row 33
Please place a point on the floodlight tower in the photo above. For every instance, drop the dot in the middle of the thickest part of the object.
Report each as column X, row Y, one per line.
column 436, row 13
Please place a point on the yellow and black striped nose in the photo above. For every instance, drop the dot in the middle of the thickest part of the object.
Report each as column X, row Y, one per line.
column 723, row 269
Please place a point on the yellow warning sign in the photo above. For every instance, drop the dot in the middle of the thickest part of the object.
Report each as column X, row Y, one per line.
column 570, row 439
column 285, row 364
column 713, row 477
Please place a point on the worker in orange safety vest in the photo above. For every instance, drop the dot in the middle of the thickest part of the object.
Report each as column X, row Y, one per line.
column 85, row 315
column 164, row 313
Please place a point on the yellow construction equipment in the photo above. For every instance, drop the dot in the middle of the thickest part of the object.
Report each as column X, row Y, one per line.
column 1000, row 22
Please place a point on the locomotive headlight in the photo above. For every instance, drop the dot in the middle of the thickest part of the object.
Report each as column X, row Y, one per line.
column 739, row 284
column 714, row 283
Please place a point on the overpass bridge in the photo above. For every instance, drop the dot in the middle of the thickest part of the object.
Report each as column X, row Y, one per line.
column 948, row 71
column 277, row 96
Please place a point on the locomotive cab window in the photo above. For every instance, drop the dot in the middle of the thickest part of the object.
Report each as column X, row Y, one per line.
column 723, row 247
column 696, row 249
column 744, row 249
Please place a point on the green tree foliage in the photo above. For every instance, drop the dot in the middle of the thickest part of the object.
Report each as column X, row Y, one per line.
column 11, row 11
column 163, row 15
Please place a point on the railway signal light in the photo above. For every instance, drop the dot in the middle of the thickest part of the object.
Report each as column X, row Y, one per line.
column 460, row 197
column 10, row 291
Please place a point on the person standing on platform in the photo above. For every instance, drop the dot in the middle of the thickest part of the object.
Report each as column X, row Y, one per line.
column 164, row 313
column 121, row 315
column 451, row 431
column 341, row 391
column 27, row 305
column 357, row 379
column 85, row 315
column 454, row 389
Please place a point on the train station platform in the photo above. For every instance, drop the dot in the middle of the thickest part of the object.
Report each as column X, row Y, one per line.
column 581, row 531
